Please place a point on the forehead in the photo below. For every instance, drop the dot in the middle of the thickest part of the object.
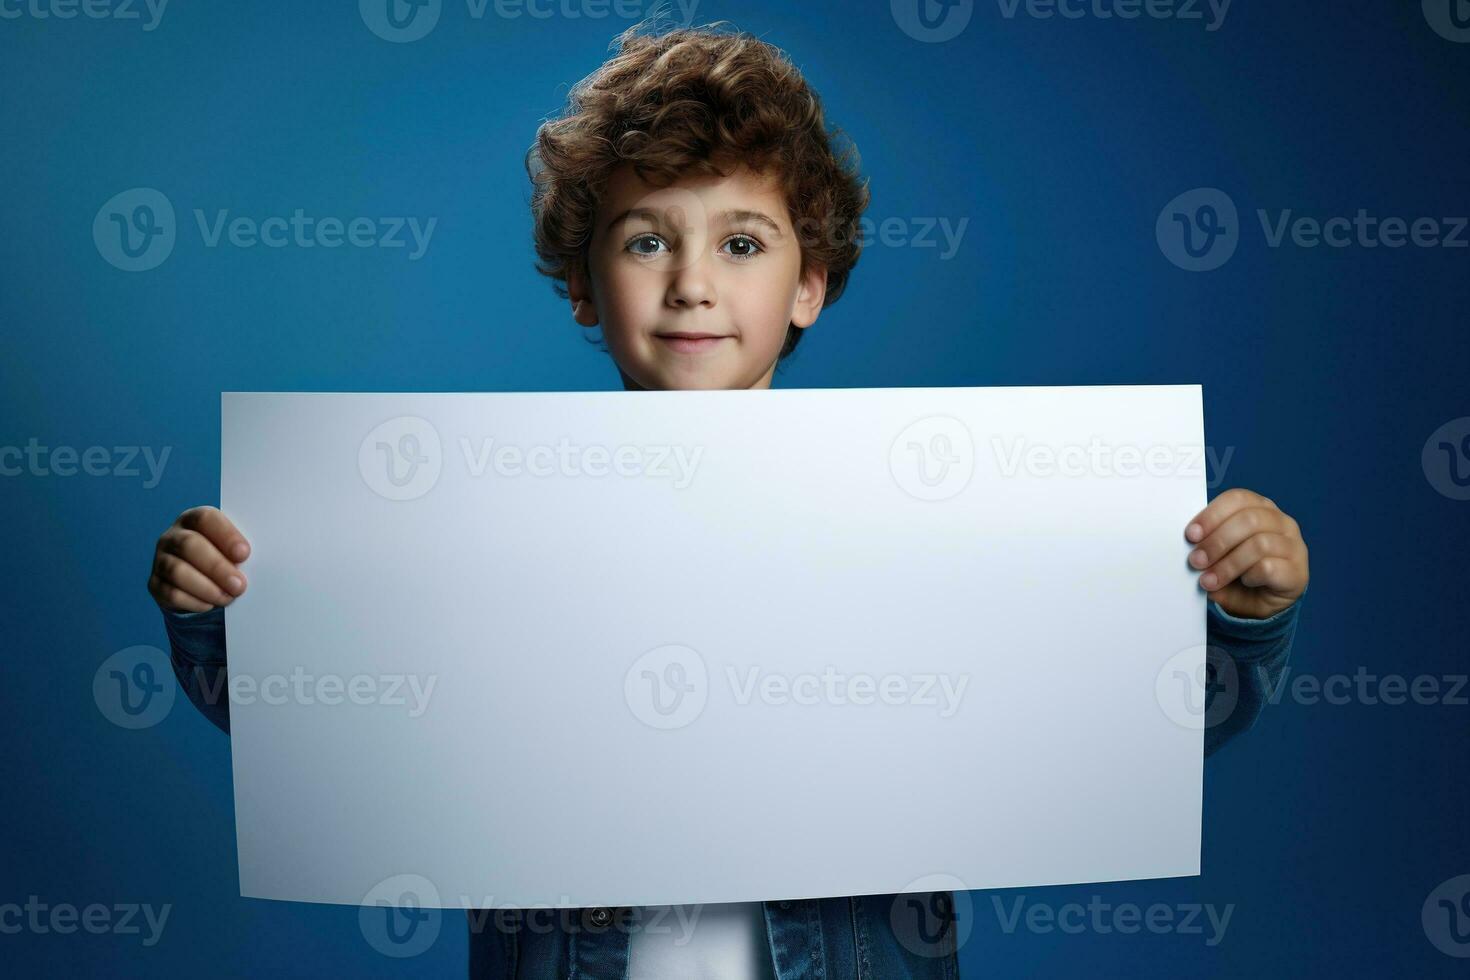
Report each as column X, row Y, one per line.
column 709, row 193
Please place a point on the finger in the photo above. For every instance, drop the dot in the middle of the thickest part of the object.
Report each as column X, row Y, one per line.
column 198, row 551
column 221, row 532
column 1266, row 547
column 172, row 570
column 1236, row 528
column 1272, row 573
column 1203, row 524
column 173, row 597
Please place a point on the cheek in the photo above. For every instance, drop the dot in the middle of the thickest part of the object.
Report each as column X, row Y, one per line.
column 764, row 306
column 630, row 297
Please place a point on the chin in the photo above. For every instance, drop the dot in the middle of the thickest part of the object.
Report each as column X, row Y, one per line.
column 703, row 380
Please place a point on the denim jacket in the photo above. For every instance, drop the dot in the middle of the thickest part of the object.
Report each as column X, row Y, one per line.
column 866, row 937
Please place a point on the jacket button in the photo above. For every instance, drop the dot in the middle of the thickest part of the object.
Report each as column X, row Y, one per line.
column 599, row 916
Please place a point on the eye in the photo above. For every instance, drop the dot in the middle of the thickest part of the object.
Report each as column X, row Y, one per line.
column 742, row 247
column 645, row 245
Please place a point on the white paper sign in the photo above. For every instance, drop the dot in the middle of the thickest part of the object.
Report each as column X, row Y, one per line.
column 641, row 648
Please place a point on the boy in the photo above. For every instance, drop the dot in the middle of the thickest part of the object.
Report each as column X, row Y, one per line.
column 689, row 202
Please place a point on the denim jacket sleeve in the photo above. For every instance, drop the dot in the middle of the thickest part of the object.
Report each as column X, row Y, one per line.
column 1245, row 662
column 197, row 648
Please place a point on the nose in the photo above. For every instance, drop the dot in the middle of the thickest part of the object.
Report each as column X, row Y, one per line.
column 692, row 285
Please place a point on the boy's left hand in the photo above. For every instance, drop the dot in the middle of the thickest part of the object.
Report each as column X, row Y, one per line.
column 1252, row 556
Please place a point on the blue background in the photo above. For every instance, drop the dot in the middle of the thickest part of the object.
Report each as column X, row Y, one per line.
column 1060, row 141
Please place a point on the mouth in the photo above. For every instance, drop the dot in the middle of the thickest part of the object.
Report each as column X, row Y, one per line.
column 691, row 341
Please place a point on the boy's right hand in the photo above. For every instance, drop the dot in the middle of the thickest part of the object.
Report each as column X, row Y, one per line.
column 195, row 563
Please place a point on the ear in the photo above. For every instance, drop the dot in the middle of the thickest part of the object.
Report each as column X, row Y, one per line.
column 811, row 291
column 579, row 292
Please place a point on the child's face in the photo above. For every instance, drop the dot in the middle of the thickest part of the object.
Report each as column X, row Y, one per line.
column 694, row 284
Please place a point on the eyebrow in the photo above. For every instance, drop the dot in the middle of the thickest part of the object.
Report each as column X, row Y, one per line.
column 733, row 215
column 755, row 216
column 648, row 213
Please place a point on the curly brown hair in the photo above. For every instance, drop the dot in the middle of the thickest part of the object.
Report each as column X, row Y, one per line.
column 683, row 101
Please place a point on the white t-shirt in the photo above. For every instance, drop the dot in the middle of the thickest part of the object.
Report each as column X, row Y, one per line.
column 693, row 942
